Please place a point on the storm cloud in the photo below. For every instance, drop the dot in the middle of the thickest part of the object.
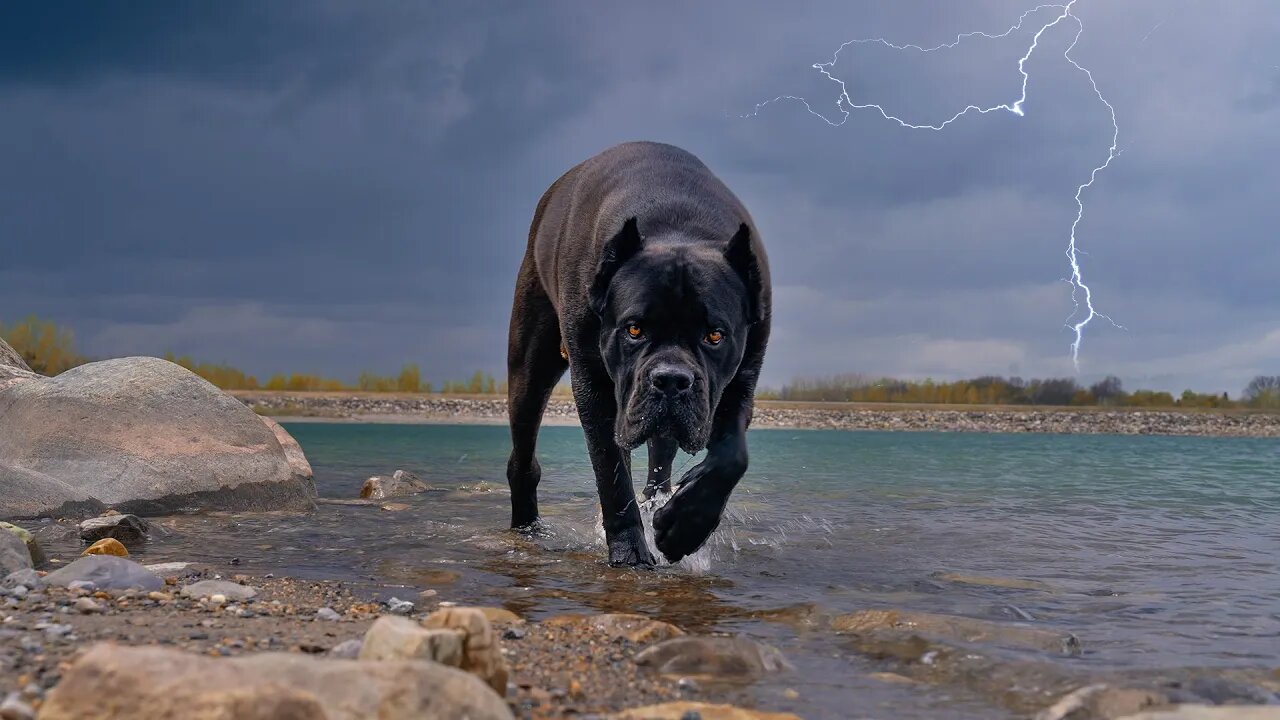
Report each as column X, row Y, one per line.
column 339, row 187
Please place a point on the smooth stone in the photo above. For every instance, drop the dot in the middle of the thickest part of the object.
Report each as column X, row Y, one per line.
column 1210, row 712
column 87, row 606
column 227, row 589
column 13, row 708
column 704, row 711
column 107, row 572
column 954, row 627
column 38, row 558
column 397, row 638
column 400, row 483
column 399, row 607
column 25, row 577
column 327, row 613
column 636, row 628
column 109, row 682
column 481, row 651
column 125, row 528
column 716, row 657
column 142, row 435
column 107, row 546
column 347, row 649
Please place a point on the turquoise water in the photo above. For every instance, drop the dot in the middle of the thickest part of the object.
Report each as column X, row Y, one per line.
column 1157, row 551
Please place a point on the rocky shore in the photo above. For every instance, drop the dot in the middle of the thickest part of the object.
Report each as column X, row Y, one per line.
column 105, row 637
column 772, row 414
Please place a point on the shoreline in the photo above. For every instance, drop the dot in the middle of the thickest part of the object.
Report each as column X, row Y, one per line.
column 405, row 408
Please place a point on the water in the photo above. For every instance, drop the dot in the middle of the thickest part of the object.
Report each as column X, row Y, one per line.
column 1159, row 551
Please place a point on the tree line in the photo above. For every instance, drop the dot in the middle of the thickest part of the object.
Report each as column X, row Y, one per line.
column 50, row 350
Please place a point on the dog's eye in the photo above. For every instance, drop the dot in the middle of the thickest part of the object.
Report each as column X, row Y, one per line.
column 714, row 337
column 634, row 331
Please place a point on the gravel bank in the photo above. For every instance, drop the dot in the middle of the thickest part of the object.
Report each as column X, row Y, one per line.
column 813, row 416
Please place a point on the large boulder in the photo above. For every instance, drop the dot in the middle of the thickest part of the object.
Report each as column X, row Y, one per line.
column 109, row 682
column 13, row 369
column 106, row 572
column 142, row 435
column 13, row 553
column 10, row 357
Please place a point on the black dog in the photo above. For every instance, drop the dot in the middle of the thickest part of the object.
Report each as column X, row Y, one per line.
column 645, row 277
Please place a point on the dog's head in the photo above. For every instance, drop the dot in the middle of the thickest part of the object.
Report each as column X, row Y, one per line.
column 674, row 317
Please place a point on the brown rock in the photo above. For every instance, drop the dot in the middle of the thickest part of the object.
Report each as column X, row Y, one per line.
column 636, row 628
column 107, row 546
column 398, row 638
column 730, row 658
column 380, row 487
column 145, row 683
column 706, row 711
column 952, row 627
column 500, row 615
column 482, row 654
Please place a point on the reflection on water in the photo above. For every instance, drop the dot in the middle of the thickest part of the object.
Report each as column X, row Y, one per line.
column 1154, row 551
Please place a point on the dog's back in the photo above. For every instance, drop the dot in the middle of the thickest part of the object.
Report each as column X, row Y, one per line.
column 664, row 187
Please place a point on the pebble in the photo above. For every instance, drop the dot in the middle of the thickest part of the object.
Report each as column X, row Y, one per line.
column 18, row 591
column 87, row 606
column 396, row 606
column 347, row 650
column 107, row 546
column 326, row 613
column 82, row 585
column 13, row 708
column 217, row 599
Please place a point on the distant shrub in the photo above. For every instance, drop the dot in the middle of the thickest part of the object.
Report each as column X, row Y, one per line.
column 45, row 347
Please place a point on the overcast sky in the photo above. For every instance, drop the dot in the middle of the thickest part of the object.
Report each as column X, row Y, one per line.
column 338, row 187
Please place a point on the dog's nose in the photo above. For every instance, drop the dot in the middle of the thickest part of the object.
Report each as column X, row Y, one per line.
column 671, row 380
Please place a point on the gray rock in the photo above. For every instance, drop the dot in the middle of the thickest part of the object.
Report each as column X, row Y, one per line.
column 145, row 436
column 128, row 529
column 347, row 650
column 26, row 577
column 87, row 606
column 38, row 558
column 402, row 482
column 228, row 590
column 106, row 572
column 1210, row 712
column 329, row 614
column 399, row 607
column 14, row 555
column 82, row 585
column 727, row 657
column 10, row 358
column 150, row 683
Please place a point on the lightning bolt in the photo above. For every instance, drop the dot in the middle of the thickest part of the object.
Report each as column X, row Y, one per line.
column 1085, row 313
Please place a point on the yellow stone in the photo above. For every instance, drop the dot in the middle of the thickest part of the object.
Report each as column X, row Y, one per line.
column 107, row 546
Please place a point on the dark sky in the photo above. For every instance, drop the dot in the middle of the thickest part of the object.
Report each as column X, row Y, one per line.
column 339, row 187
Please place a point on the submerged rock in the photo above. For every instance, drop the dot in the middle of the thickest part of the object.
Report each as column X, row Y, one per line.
column 996, row 582
column 636, row 628
column 954, row 627
column 143, row 435
column 699, row 710
column 146, row 683
column 481, row 651
column 106, row 572
column 728, row 658
column 127, row 529
column 397, row 638
column 401, row 482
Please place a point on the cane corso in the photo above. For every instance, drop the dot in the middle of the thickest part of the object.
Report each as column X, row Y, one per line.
column 645, row 277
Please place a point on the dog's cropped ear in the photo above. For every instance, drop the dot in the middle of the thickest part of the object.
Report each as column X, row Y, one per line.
column 742, row 258
column 618, row 250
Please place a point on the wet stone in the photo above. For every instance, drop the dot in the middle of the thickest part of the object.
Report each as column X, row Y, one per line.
column 106, row 572
column 735, row 658
column 128, row 529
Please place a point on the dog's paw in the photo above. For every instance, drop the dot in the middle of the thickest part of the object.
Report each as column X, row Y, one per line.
column 682, row 525
column 629, row 549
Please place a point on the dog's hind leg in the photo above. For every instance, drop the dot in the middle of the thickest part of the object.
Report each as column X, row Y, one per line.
column 662, row 452
column 534, row 366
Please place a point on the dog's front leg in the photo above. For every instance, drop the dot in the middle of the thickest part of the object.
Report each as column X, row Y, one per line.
column 682, row 525
column 623, row 527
